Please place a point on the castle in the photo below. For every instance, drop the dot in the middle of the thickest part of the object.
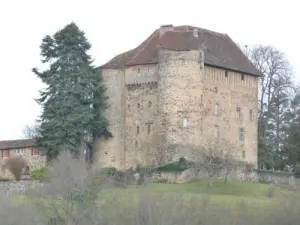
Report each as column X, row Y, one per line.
column 182, row 85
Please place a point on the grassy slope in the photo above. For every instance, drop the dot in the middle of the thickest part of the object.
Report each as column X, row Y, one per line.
column 220, row 193
column 231, row 193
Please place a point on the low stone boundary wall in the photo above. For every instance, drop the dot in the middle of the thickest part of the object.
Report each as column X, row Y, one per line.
column 270, row 177
column 8, row 188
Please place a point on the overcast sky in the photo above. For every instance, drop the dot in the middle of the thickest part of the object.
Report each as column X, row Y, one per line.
column 116, row 26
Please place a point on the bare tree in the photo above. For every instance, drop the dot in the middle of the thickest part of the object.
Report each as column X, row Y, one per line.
column 31, row 131
column 276, row 88
column 216, row 159
column 277, row 79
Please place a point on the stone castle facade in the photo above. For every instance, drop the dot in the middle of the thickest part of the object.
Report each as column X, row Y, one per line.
column 182, row 85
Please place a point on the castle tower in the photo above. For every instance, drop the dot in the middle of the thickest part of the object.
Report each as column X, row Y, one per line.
column 180, row 88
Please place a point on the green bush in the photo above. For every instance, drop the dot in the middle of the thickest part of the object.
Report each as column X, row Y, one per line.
column 109, row 171
column 179, row 166
column 38, row 174
column 297, row 170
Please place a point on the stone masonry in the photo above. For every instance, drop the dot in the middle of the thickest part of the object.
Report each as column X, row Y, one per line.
column 25, row 148
column 182, row 85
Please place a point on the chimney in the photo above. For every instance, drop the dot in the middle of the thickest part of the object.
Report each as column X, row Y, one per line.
column 164, row 28
column 195, row 32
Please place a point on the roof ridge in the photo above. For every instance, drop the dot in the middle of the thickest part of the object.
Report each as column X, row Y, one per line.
column 203, row 29
column 25, row 139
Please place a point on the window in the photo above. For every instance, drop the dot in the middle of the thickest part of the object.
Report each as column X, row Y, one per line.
column 137, row 130
column 217, row 109
column 216, row 131
column 128, row 106
column 244, row 154
column 149, row 104
column 139, row 70
column 251, row 114
column 136, row 144
column 216, row 89
column 238, row 113
column 5, row 153
column 226, row 74
column 138, row 105
column 242, row 76
column 19, row 151
column 149, row 128
column 34, row 151
column 185, row 122
column 241, row 135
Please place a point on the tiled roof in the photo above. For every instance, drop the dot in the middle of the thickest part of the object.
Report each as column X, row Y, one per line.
column 14, row 144
column 220, row 50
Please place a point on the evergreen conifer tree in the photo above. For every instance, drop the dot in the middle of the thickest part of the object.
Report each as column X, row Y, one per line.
column 73, row 100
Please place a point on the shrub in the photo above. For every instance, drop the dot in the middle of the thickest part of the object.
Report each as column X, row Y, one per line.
column 270, row 192
column 15, row 165
column 179, row 166
column 297, row 170
column 38, row 174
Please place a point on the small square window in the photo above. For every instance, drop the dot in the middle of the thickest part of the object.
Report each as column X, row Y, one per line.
column 216, row 131
column 185, row 122
column 217, row 109
column 251, row 114
column 35, row 151
column 5, row 153
column 226, row 74
column 241, row 135
column 238, row 113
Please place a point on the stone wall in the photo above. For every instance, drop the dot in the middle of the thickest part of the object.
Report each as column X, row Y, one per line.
column 226, row 91
column 268, row 177
column 141, row 124
column 110, row 152
column 9, row 188
column 180, row 89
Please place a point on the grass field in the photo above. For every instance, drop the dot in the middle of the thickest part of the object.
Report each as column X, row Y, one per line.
column 189, row 203
column 220, row 193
